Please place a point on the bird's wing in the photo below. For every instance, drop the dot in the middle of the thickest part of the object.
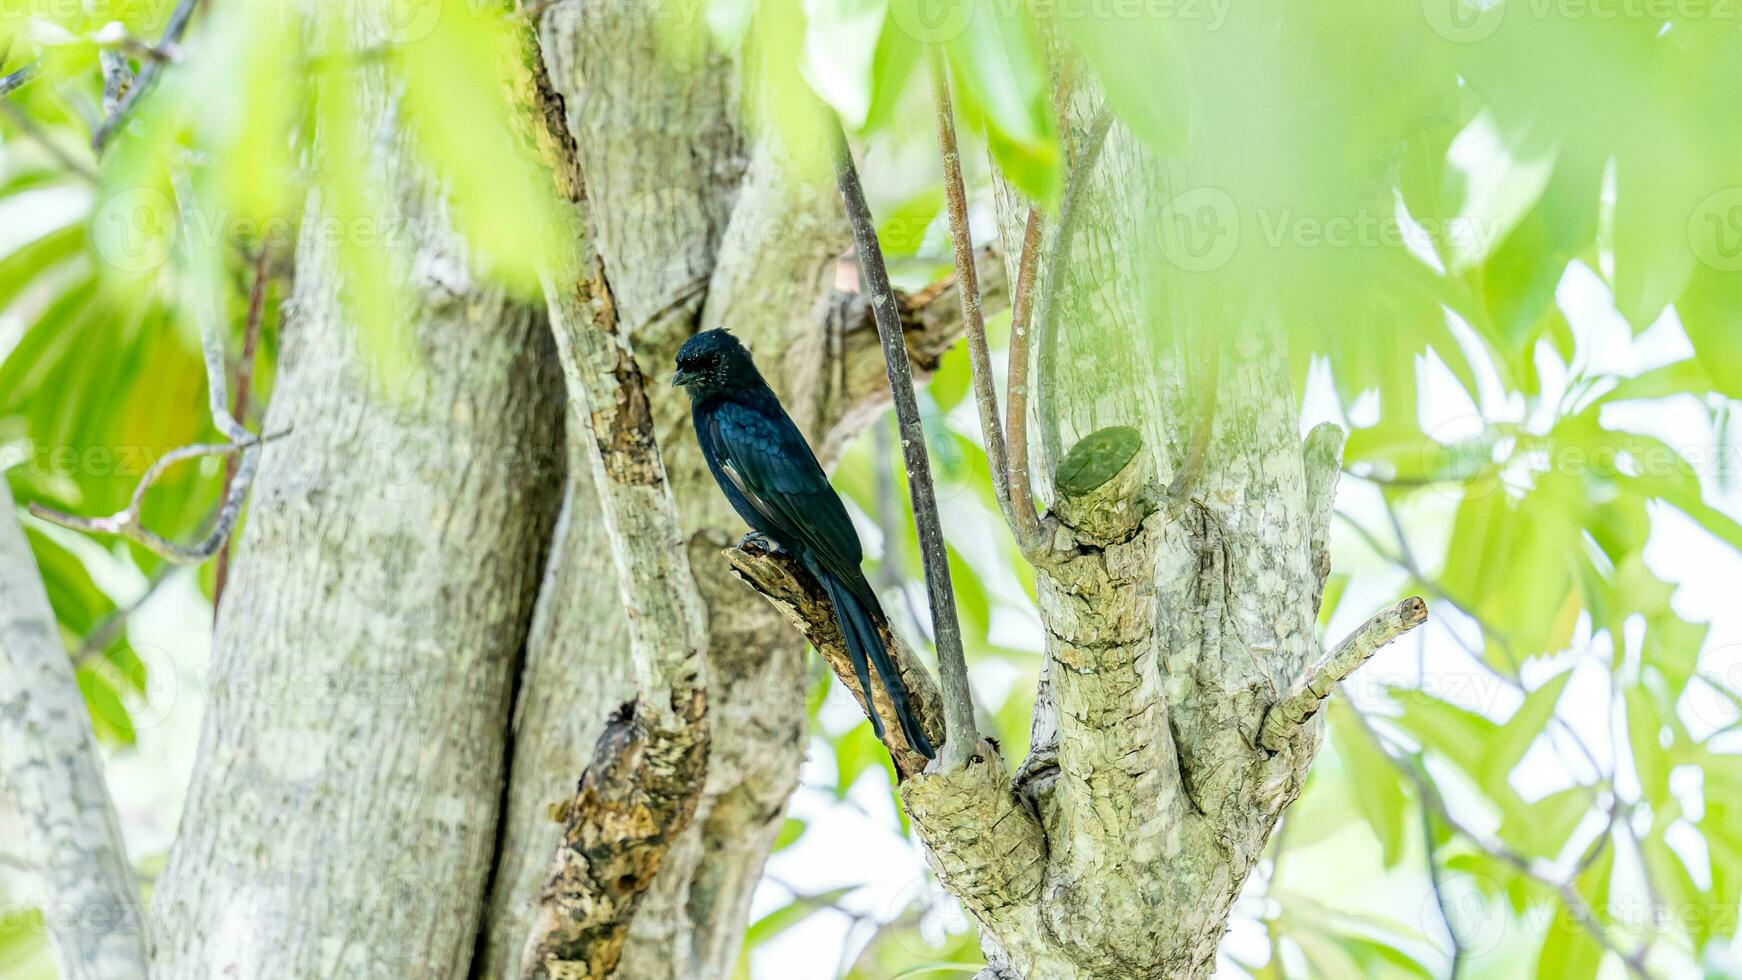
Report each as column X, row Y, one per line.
column 767, row 459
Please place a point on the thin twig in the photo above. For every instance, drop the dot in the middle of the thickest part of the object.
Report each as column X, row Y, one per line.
column 1303, row 699
column 117, row 77
column 1406, row 562
column 1058, row 259
column 147, row 78
column 18, row 79
column 1566, row 890
column 1434, row 878
column 244, row 390
column 961, row 737
column 41, row 138
column 973, row 322
column 127, row 523
column 98, row 638
column 1021, row 483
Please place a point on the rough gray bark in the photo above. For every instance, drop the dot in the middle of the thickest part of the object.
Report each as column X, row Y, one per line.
column 343, row 810
column 50, row 771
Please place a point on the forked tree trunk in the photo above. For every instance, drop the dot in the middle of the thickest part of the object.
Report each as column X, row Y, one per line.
column 390, row 813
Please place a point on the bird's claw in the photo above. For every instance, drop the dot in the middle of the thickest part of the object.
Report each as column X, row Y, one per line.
column 760, row 541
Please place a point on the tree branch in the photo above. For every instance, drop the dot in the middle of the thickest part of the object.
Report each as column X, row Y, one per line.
column 968, row 288
column 244, row 391
column 961, row 737
column 1022, row 307
column 127, row 522
column 147, row 78
column 1565, row 890
column 783, row 581
column 1285, row 718
column 1058, row 259
column 985, row 844
column 16, row 80
column 49, row 766
column 648, row 771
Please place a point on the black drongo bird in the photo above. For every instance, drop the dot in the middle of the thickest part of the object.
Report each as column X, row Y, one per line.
column 773, row 480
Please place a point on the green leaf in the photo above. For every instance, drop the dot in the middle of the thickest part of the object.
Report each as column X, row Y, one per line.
column 1568, row 950
column 456, row 79
column 790, row 831
column 1530, row 720
column 791, row 914
column 1001, row 81
column 1143, row 71
column 1709, row 312
column 1376, row 785
column 1542, row 828
column 109, row 718
column 892, row 65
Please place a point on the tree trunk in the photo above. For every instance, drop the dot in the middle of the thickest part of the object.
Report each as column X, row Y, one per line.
column 51, row 772
column 343, row 809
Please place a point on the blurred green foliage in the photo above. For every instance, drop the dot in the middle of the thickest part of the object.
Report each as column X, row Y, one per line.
column 1418, row 182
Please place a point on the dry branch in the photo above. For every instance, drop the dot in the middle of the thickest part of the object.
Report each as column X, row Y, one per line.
column 797, row 596
column 127, row 523
column 147, row 78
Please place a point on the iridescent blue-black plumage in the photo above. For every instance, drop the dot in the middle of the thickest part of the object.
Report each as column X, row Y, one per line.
column 772, row 479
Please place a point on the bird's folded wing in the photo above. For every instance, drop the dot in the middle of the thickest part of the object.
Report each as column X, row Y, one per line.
column 766, row 457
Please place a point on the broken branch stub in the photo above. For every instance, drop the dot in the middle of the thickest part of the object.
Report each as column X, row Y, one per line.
column 1099, row 484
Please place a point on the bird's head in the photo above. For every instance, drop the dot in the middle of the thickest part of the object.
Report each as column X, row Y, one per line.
column 714, row 360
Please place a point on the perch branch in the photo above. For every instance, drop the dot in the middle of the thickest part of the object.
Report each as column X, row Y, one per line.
column 147, row 78
column 961, row 738
column 968, row 287
column 795, row 594
column 55, row 781
column 997, row 875
column 1285, row 718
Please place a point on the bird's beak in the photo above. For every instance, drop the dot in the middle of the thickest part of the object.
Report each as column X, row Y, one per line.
column 682, row 377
